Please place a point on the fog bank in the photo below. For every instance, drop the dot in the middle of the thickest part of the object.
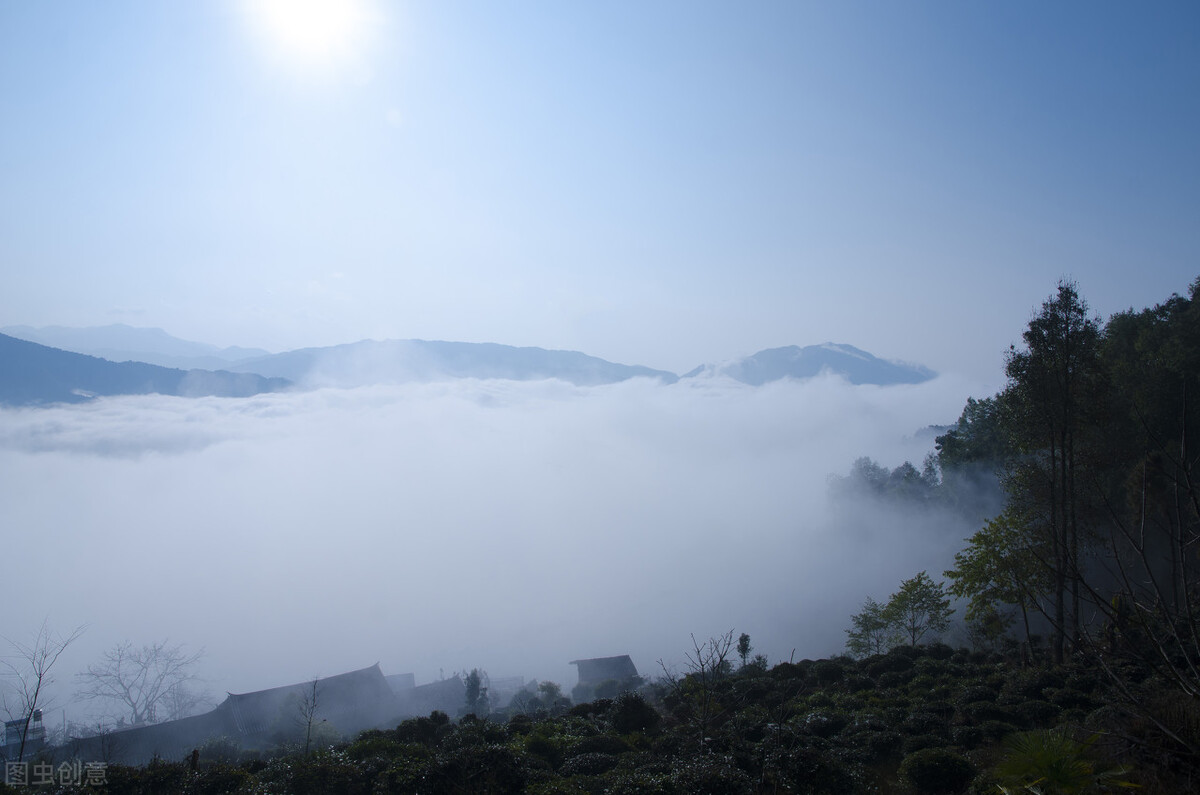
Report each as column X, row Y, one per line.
column 495, row 524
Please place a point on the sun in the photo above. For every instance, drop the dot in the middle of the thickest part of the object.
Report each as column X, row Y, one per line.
column 312, row 32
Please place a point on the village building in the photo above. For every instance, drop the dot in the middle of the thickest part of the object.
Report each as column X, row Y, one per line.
column 346, row 703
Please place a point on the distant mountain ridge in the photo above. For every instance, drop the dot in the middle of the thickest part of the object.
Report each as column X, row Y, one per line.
column 33, row 374
column 855, row 365
column 121, row 343
column 28, row 375
column 398, row 361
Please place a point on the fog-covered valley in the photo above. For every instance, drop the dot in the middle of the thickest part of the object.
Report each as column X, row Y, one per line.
column 510, row 526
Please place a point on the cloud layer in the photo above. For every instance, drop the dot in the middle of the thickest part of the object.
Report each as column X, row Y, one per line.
column 510, row 526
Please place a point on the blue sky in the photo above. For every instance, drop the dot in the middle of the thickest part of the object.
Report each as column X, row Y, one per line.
column 654, row 183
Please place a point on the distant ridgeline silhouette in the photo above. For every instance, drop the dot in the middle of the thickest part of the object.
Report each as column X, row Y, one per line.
column 33, row 374
column 397, row 361
column 121, row 343
column 855, row 365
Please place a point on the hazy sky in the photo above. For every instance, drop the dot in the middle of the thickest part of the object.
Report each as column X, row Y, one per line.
column 662, row 183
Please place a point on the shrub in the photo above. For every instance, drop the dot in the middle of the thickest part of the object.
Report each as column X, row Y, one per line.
column 637, row 781
column 814, row 772
column 857, row 684
column 406, row 770
column 1053, row 761
column 374, row 744
column 1083, row 680
column 824, row 724
column 787, row 670
column 587, row 709
column 519, row 725
column 895, row 678
column 1070, row 698
column 918, row 742
column 218, row 779
column 923, row 723
column 219, row 749
column 600, row 744
column 967, row 737
column 888, row 663
column 710, row 776
column 828, row 671
column 477, row 768
column 939, row 651
column 921, row 683
column 1036, row 713
column 1027, row 685
column 820, row 699
column 426, row 731
column 981, row 711
column 975, row 693
column 994, row 730
column 631, row 713
column 866, row 722
column 937, row 771
column 932, row 666
column 590, row 764
column 877, row 745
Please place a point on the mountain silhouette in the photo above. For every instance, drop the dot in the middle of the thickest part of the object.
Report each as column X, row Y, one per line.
column 33, row 374
column 398, row 361
column 855, row 365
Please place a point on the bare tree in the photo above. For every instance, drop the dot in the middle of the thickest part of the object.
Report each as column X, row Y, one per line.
column 310, row 702
column 182, row 701
column 695, row 695
column 141, row 680
column 30, row 667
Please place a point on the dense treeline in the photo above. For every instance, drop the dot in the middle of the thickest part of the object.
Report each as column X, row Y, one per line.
column 1094, row 441
column 1082, row 475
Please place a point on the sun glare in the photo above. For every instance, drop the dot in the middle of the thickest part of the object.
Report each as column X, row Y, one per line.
column 312, row 31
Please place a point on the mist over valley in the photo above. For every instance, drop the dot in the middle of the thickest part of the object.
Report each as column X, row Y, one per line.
column 442, row 525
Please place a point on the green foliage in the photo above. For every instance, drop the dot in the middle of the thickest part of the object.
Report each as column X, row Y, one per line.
column 477, row 702
column 937, row 770
column 1051, row 762
column 588, row 764
column 743, row 648
column 219, row 749
column 632, row 713
column 872, row 631
column 424, row 730
column 815, row 772
column 904, row 485
column 489, row 768
column 919, row 609
column 1002, row 564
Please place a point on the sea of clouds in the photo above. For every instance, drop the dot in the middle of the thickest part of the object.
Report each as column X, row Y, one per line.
column 511, row 526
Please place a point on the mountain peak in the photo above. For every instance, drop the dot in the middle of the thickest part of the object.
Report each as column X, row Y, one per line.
column 854, row 364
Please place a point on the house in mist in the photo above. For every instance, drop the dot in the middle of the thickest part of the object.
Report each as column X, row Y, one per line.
column 347, row 703
column 35, row 736
column 401, row 682
column 444, row 695
column 604, row 677
column 501, row 689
